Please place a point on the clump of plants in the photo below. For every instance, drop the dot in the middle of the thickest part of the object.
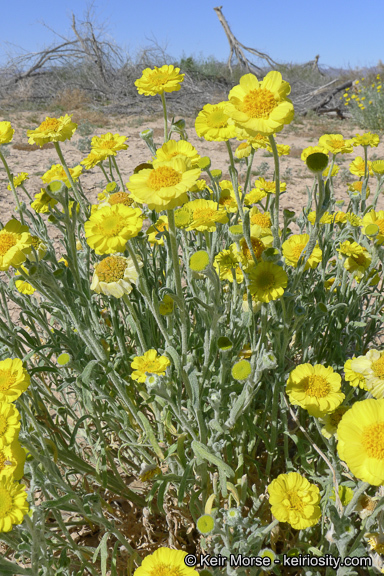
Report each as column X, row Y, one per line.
column 179, row 334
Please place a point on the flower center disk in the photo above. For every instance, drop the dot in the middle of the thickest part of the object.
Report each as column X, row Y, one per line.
column 111, row 269
column 316, row 386
column 259, row 103
column 373, row 440
column 163, row 177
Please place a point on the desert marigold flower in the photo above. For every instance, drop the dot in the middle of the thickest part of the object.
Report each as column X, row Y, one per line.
column 165, row 562
column 213, row 124
column 23, row 286
column 159, row 80
column 108, row 144
column 205, row 524
column 15, row 244
column 294, row 500
column 267, row 281
column 358, row 186
column 354, row 378
column 114, row 276
column 335, row 170
column 227, row 266
column 377, row 218
column 57, row 172
column 294, row 246
column 180, row 149
column 367, row 139
column 108, row 230
column 269, row 187
column 13, row 503
column 357, row 167
column 12, row 460
column 378, row 167
column 261, row 238
column 260, row 107
column 205, row 214
column 358, row 258
column 243, row 150
column 254, row 196
column 166, row 305
column 6, row 132
column 120, row 198
column 335, row 144
column 312, row 150
column 14, row 379
column 149, row 363
column 326, row 218
column 315, row 388
column 52, row 130
column 9, row 423
column 282, row 149
column 227, row 196
column 160, row 225
column 182, row 218
column 148, row 472
column 331, row 421
column 258, row 218
column 93, row 159
column 376, row 541
column 18, row 180
column 43, row 202
column 371, row 366
column 164, row 186
column 361, row 440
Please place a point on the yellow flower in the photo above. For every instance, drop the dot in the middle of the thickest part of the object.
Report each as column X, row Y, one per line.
column 260, row 107
column 108, row 230
column 159, row 80
column 315, row 388
column 358, row 258
column 43, row 202
column 57, row 172
column 226, row 264
column 119, row 198
column 213, row 124
column 165, row 562
column 12, row 460
column 243, row 150
column 205, row 214
column 361, row 440
column 254, row 196
column 352, row 376
column 353, row 219
column 108, row 144
column 14, row 379
column 227, row 196
column 150, row 363
column 357, row 167
column 6, row 132
column 93, row 159
column 357, row 187
column 153, row 231
column 376, row 542
column 180, row 149
column 378, row 167
column 282, row 149
column 377, row 218
column 267, row 281
column 335, row 144
column 52, row 130
column 312, row 150
column 164, row 186
column 268, row 187
column 294, row 500
column 199, row 261
column 294, row 246
column 15, row 244
column 367, row 139
column 261, row 239
column 114, row 276
column 335, row 170
column 166, row 306
column 9, row 423
column 13, row 504
column 331, row 421
column 182, row 218
column 18, row 180
column 371, row 366
column 326, row 218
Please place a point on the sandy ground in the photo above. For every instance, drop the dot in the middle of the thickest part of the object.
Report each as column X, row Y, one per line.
column 300, row 134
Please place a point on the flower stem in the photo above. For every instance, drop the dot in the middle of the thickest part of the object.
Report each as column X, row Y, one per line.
column 70, row 179
column 275, row 227
column 165, row 117
column 10, row 178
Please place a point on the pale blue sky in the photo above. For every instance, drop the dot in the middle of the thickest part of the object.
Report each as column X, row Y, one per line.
column 345, row 34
